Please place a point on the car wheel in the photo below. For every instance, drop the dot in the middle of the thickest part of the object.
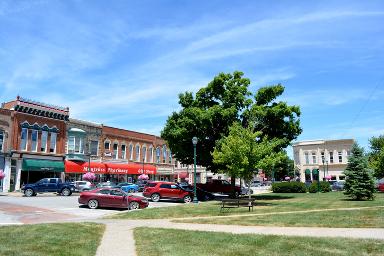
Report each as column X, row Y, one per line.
column 236, row 194
column 134, row 206
column 93, row 204
column 29, row 192
column 131, row 190
column 66, row 192
column 187, row 199
column 155, row 197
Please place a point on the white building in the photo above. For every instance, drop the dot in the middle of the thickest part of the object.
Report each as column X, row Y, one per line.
column 317, row 159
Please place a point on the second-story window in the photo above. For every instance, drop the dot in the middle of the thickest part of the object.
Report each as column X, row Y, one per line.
column 138, row 153
column 331, row 157
column 44, row 140
column 164, row 154
column 314, row 158
column 107, row 145
column 24, row 139
column 123, row 151
column 52, row 145
column 150, row 154
column 306, row 157
column 130, row 152
column 157, row 155
column 75, row 145
column 34, row 139
column 94, row 147
column 170, row 156
column 340, row 157
column 116, row 151
column 322, row 157
column 144, row 154
column 1, row 141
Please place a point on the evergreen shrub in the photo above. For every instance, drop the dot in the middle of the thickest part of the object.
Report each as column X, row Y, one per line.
column 289, row 187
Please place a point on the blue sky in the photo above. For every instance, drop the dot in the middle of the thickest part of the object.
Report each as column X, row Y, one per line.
column 123, row 63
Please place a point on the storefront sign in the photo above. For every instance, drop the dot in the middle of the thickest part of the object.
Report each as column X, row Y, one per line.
column 109, row 168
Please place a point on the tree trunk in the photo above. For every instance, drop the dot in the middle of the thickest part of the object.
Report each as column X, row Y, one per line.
column 233, row 183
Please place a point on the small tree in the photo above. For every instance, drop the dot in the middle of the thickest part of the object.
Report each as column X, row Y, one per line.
column 376, row 156
column 359, row 183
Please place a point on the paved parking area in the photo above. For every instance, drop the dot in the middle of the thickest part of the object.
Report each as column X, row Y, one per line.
column 18, row 209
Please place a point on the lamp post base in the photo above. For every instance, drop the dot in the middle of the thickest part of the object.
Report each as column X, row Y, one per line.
column 195, row 200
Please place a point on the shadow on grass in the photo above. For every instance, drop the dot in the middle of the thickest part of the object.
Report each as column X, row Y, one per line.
column 271, row 197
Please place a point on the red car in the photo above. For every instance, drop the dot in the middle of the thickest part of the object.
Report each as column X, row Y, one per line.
column 112, row 197
column 381, row 187
column 171, row 190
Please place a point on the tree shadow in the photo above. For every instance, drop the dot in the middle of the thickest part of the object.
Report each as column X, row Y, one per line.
column 271, row 197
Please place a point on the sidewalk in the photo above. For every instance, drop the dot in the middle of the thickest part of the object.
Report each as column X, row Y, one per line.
column 118, row 237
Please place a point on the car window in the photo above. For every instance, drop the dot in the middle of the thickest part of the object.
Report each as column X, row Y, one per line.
column 174, row 186
column 52, row 181
column 165, row 186
column 117, row 193
column 225, row 182
column 104, row 191
column 151, row 185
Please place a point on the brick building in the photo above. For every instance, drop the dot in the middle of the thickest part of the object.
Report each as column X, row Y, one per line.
column 8, row 183
column 38, row 140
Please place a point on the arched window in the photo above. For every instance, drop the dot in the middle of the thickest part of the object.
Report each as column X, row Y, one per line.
column 137, row 153
column 130, row 151
column 151, row 154
column 1, row 140
column 123, row 151
column 144, row 153
column 170, row 156
column 107, row 145
column 116, row 150
column 158, row 155
column 164, row 153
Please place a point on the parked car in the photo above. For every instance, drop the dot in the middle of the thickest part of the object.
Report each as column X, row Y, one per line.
column 130, row 188
column 48, row 185
column 219, row 186
column 201, row 194
column 106, row 185
column 244, row 190
column 381, row 187
column 157, row 190
column 112, row 197
column 142, row 184
column 81, row 185
column 338, row 185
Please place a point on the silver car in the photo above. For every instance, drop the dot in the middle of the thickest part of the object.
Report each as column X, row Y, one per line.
column 82, row 185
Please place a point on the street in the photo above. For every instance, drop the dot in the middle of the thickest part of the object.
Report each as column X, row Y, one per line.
column 49, row 207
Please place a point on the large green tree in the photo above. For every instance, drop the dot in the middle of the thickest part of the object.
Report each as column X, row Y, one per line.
column 376, row 156
column 359, row 182
column 215, row 108
column 242, row 153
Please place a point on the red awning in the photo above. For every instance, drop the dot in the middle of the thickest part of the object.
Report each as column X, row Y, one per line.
column 183, row 175
column 82, row 167
column 131, row 168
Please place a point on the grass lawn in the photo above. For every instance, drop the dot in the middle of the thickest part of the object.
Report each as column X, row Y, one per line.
column 150, row 241
column 51, row 239
column 275, row 203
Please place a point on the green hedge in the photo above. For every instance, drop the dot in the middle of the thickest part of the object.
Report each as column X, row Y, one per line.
column 324, row 187
column 289, row 187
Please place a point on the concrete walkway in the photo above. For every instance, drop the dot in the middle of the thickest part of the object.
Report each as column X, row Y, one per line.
column 118, row 238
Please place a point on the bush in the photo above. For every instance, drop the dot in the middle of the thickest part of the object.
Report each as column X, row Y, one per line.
column 324, row 187
column 289, row 187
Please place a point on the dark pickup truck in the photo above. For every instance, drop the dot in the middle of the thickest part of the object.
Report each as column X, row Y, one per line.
column 219, row 186
column 48, row 185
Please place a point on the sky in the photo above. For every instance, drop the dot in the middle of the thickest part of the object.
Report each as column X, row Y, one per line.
column 123, row 63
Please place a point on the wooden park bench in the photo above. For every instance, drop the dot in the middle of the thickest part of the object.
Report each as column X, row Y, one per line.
column 237, row 203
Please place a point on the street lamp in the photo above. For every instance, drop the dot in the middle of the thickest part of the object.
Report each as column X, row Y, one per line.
column 194, row 142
